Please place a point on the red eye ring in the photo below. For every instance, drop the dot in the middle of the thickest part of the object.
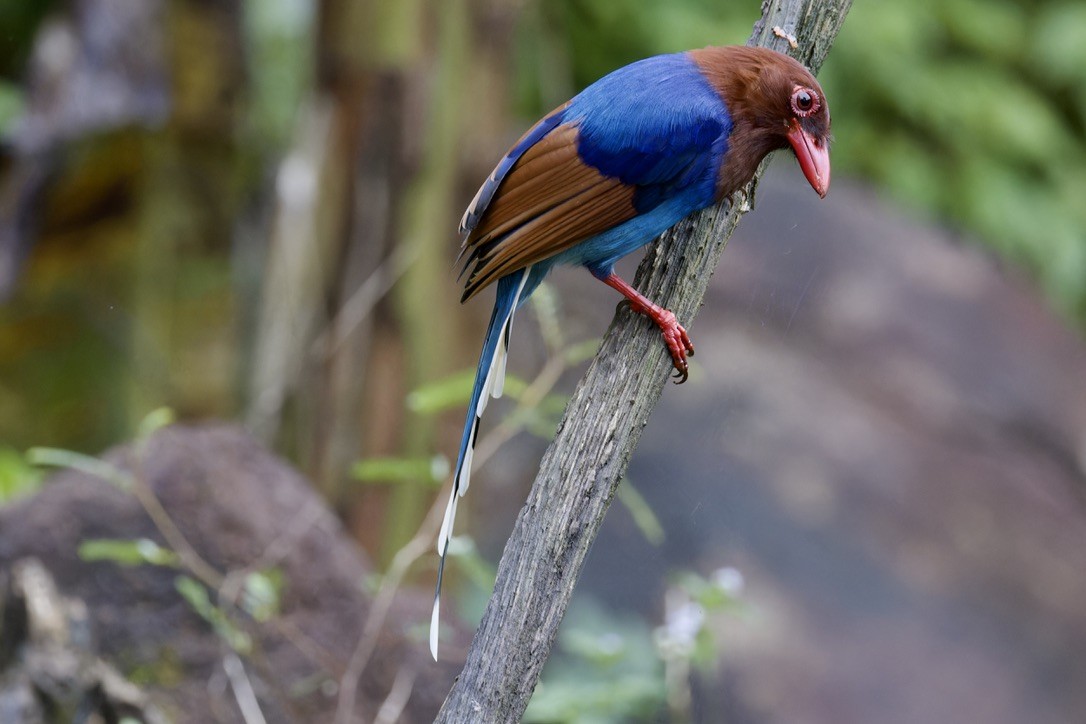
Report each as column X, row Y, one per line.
column 805, row 102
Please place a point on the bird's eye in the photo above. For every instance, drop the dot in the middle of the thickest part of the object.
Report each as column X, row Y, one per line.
column 805, row 102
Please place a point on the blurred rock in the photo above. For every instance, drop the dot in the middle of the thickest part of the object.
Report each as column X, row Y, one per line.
column 242, row 510
column 48, row 668
column 885, row 431
column 86, row 76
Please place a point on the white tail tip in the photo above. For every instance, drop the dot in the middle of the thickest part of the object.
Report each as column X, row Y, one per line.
column 447, row 524
column 434, row 617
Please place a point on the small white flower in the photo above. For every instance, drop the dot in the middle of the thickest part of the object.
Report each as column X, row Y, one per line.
column 729, row 580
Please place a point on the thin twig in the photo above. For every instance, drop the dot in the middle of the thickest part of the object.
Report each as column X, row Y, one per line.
column 422, row 542
column 191, row 560
column 397, row 698
column 355, row 310
column 243, row 689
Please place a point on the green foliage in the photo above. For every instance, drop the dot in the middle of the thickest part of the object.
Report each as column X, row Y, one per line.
column 280, row 54
column 196, row 595
column 685, row 636
column 58, row 458
column 617, row 668
column 18, row 477
column 972, row 112
column 262, row 593
column 127, row 552
column 154, row 421
column 261, row 590
column 399, row 469
column 605, row 34
column 642, row 513
column 975, row 113
column 11, row 105
column 478, row 570
column 606, row 670
column 99, row 468
column 443, row 394
column 454, row 392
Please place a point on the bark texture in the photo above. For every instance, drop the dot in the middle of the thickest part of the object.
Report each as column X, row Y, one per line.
column 583, row 466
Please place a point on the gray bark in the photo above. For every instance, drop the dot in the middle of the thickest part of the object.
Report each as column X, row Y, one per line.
column 583, row 466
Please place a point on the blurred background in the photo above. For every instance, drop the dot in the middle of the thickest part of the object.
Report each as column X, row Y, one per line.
column 866, row 505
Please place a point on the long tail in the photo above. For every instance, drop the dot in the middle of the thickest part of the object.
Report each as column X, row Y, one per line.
column 489, row 382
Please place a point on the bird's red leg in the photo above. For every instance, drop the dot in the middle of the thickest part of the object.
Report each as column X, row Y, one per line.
column 675, row 337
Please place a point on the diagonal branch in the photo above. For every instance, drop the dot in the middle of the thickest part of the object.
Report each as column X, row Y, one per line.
column 581, row 469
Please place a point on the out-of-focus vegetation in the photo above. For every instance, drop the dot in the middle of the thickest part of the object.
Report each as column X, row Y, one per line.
column 197, row 582
column 973, row 113
column 278, row 249
column 976, row 113
column 17, row 476
column 620, row 668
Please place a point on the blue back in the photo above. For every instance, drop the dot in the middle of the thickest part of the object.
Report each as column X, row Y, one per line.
column 656, row 124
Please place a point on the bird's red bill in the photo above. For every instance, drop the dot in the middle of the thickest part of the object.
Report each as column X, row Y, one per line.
column 813, row 157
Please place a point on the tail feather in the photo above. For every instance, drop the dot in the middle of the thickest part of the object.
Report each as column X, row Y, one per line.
column 499, row 366
column 489, row 382
column 446, row 527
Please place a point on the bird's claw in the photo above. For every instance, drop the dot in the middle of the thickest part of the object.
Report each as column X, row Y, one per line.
column 675, row 337
column 678, row 344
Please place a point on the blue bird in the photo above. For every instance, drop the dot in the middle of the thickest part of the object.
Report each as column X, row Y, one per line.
column 612, row 169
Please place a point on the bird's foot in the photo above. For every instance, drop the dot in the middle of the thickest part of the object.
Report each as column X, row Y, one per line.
column 675, row 337
column 677, row 341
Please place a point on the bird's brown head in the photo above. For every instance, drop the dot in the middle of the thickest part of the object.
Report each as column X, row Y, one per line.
column 774, row 103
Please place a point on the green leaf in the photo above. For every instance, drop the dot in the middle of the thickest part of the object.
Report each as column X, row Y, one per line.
column 262, row 593
column 398, row 470
column 127, row 552
column 994, row 29
column 196, row 595
column 155, row 421
column 1057, row 49
column 58, row 458
column 581, row 351
column 443, row 394
column 18, row 478
column 611, row 700
column 454, row 392
column 642, row 513
column 479, row 571
column 606, row 669
column 715, row 594
column 11, row 105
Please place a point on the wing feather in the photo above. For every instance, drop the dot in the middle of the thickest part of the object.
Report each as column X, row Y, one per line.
column 547, row 173
column 601, row 206
column 547, row 202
